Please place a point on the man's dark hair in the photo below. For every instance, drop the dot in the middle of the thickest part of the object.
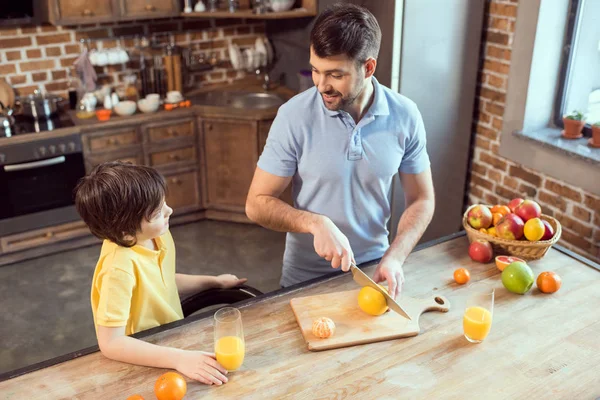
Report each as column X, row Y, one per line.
column 346, row 29
column 115, row 197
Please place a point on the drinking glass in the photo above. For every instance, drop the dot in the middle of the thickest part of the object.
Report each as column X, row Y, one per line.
column 479, row 312
column 230, row 347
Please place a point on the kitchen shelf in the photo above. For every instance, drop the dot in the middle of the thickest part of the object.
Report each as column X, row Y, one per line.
column 248, row 14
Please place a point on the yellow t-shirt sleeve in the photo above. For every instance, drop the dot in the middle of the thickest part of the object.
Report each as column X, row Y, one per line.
column 114, row 305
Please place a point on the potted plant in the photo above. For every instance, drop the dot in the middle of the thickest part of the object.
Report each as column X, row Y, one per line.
column 596, row 134
column 573, row 123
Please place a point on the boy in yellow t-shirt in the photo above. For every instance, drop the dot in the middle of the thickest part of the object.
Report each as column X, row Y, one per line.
column 135, row 286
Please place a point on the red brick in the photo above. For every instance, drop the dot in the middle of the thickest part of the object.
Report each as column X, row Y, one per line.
column 527, row 176
column 72, row 49
column 547, row 210
column 494, row 175
column 54, row 86
column 479, row 181
column 243, row 30
column 592, row 203
column 552, row 200
column 597, row 219
column 492, row 95
column 18, row 79
column 497, row 37
column 511, row 182
column 476, row 191
column 507, row 10
column 36, row 65
column 9, row 32
column 493, row 161
column 59, row 74
column 491, row 199
column 6, row 69
column 53, row 51
column 245, row 41
column 495, row 149
column 562, row 190
column 482, row 143
column 575, row 240
column 195, row 25
column 480, row 169
column 15, row 42
column 164, row 27
column 483, row 117
column 582, row 214
column 495, row 109
column 487, row 132
column 67, row 62
column 39, row 76
column 596, row 236
column 497, row 123
column 259, row 29
column 48, row 28
column 227, row 32
column 53, row 39
column 34, row 53
column 496, row 81
column 25, row 90
column 497, row 52
column 495, row 66
column 13, row 55
column 505, row 193
column 530, row 191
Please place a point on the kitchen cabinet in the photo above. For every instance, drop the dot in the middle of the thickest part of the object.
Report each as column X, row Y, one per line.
column 183, row 190
column 70, row 12
column 45, row 236
column 116, row 144
column 230, row 154
column 301, row 9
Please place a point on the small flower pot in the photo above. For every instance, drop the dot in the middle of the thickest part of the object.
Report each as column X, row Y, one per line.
column 573, row 128
column 595, row 141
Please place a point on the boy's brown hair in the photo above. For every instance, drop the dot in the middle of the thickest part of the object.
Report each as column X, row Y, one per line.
column 116, row 196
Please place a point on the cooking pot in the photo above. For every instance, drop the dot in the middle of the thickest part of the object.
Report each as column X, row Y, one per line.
column 40, row 106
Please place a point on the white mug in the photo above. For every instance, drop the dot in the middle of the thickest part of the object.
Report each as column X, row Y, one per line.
column 174, row 96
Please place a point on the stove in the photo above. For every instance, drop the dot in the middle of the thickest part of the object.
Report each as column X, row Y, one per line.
column 26, row 125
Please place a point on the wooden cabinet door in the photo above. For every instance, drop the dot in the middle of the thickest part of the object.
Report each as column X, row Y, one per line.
column 149, row 8
column 230, row 150
column 183, row 193
column 83, row 11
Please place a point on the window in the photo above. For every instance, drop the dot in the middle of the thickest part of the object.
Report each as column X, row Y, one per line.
column 580, row 71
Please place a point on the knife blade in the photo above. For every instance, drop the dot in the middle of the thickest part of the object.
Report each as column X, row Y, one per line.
column 363, row 279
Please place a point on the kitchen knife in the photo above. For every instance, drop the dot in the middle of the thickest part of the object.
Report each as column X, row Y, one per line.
column 363, row 279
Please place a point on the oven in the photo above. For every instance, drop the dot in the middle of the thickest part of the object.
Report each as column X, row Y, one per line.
column 37, row 180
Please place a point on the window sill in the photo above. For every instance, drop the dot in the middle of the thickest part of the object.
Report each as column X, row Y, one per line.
column 551, row 138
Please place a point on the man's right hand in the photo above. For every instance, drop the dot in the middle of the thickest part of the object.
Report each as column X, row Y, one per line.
column 202, row 367
column 331, row 244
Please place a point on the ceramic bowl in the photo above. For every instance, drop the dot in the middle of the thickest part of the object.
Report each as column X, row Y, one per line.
column 125, row 108
column 147, row 106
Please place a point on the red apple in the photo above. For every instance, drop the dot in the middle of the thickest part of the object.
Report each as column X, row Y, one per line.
column 510, row 227
column 480, row 216
column 481, row 251
column 514, row 203
column 528, row 209
column 549, row 232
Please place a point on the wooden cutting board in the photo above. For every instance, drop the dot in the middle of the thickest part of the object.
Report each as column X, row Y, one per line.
column 352, row 325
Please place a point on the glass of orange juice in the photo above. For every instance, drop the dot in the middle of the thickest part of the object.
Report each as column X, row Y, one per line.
column 230, row 347
column 477, row 320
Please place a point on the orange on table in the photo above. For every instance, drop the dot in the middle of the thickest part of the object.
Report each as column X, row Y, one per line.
column 135, row 397
column 462, row 276
column 496, row 217
column 548, row 282
column 170, row 386
column 504, row 210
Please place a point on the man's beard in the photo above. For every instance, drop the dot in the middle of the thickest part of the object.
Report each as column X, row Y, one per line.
column 342, row 103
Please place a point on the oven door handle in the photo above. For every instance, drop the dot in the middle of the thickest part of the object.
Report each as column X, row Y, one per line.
column 35, row 164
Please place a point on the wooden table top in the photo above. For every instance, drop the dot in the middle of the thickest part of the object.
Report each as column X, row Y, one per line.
column 540, row 346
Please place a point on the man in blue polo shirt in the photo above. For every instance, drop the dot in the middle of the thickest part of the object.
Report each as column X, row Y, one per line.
column 340, row 144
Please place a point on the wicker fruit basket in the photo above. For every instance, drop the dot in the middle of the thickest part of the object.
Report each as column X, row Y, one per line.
column 520, row 248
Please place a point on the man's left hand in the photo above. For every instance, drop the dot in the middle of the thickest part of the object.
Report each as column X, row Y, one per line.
column 390, row 270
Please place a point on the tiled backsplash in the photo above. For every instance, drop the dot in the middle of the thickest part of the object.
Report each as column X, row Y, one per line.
column 31, row 56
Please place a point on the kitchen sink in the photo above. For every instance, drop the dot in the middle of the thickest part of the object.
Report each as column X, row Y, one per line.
column 236, row 99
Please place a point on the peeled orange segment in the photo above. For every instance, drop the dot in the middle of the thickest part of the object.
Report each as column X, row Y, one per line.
column 503, row 261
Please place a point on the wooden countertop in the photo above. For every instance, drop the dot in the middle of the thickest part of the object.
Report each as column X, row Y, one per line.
column 540, row 346
column 82, row 125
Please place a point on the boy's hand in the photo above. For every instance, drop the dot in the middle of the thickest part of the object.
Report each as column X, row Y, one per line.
column 202, row 367
column 227, row 281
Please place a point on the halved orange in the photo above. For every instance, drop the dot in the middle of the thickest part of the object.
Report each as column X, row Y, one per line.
column 503, row 261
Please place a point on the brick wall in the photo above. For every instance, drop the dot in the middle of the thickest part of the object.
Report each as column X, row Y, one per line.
column 34, row 55
column 495, row 179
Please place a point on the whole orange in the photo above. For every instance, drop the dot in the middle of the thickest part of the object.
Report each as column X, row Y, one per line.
column 135, row 397
column 462, row 276
column 170, row 386
column 371, row 301
column 548, row 282
column 496, row 217
column 504, row 210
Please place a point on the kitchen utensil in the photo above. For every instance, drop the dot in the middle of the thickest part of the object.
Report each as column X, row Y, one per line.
column 147, row 106
column 39, row 106
column 103, row 114
column 281, row 5
column 354, row 326
column 363, row 280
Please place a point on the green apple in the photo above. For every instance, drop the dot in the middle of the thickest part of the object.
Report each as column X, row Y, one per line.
column 518, row 277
